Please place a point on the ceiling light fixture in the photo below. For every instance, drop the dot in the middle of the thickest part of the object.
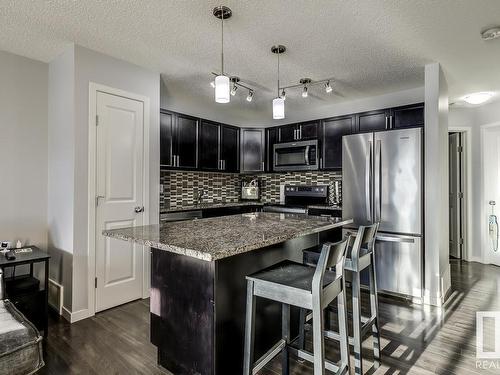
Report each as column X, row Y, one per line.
column 305, row 82
column 283, row 95
column 278, row 102
column 491, row 33
column 222, row 83
column 250, row 96
column 328, row 88
column 478, row 97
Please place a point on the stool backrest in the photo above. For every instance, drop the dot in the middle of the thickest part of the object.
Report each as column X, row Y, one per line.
column 332, row 254
column 364, row 239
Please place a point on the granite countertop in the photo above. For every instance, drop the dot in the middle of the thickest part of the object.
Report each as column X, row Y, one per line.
column 220, row 237
column 206, row 206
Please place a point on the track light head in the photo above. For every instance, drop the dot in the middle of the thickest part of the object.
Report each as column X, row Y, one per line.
column 328, row 88
column 250, row 96
column 233, row 90
column 283, row 95
column 304, row 92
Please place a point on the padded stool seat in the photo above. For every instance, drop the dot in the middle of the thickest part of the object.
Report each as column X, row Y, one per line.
column 291, row 274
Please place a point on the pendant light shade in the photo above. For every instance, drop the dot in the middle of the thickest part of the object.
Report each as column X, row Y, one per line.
column 278, row 108
column 222, row 90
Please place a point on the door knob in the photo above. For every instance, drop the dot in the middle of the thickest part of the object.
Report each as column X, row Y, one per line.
column 139, row 209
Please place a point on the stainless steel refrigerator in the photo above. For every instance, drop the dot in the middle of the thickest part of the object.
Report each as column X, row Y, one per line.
column 382, row 182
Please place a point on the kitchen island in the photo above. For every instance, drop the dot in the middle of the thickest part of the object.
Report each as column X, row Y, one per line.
column 198, row 286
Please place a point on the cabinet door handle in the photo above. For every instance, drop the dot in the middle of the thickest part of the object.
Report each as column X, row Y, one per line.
column 300, row 132
column 390, row 121
column 177, row 160
column 224, row 166
column 294, row 134
column 263, row 167
column 386, row 120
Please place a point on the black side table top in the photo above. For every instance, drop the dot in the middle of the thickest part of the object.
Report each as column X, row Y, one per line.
column 36, row 255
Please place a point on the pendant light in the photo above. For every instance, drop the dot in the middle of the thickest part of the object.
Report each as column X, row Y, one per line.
column 222, row 84
column 278, row 102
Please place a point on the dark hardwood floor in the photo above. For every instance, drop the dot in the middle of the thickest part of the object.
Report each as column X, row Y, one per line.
column 415, row 339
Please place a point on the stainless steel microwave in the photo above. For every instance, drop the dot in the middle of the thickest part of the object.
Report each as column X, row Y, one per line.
column 296, row 156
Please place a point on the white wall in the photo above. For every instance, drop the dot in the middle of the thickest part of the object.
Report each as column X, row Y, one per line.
column 23, row 148
column 436, row 208
column 61, row 156
column 475, row 118
column 242, row 116
column 70, row 75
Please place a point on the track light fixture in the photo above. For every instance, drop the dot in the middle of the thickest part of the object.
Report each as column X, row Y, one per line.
column 250, row 96
column 283, row 95
column 222, row 83
column 304, row 92
column 305, row 82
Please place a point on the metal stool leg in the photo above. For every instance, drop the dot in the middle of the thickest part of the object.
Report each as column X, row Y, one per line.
column 374, row 312
column 302, row 333
column 343, row 332
column 318, row 340
column 249, row 330
column 356, row 322
column 285, row 333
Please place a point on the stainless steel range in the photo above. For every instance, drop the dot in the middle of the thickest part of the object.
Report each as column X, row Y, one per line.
column 296, row 198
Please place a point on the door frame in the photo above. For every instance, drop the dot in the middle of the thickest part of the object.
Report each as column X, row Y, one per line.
column 94, row 88
column 466, row 132
column 484, row 211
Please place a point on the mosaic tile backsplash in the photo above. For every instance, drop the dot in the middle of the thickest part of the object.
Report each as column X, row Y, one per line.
column 181, row 188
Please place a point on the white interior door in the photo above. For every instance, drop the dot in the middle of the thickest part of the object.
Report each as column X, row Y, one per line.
column 119, row 187
column 491, row 190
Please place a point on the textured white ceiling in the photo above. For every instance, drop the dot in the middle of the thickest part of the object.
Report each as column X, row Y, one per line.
column 371, row 47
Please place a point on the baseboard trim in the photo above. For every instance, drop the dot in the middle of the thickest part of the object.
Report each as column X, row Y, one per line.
column 73, row 317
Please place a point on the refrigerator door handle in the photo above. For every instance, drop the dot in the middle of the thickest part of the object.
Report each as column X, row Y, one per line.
column 378, row 172
column 400, row 239
column 368, row 178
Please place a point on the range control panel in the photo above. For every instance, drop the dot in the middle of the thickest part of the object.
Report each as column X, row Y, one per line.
column 306, row 190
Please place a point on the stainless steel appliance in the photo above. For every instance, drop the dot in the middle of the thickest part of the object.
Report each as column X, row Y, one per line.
column 296, row 156
column 296, row 198
column 250, row 190
column 382, row 181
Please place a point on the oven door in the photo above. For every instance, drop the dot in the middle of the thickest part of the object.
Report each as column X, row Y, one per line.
column 296, row 156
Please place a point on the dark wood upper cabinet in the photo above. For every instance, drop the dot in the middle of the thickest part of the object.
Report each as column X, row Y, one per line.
column 229, row 148
column 308, row 130
column 209, row 146
column 372, row 121
column 271, row 140
column 252, row 150
column 332, row 132
column 187, row 142
column 409, row 116
column 167, row 130
column 287, row 133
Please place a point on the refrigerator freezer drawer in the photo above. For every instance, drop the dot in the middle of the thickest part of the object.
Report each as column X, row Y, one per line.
column 398, row 264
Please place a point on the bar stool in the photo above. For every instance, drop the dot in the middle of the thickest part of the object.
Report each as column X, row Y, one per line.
column 360, row 255
column 308, row 288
